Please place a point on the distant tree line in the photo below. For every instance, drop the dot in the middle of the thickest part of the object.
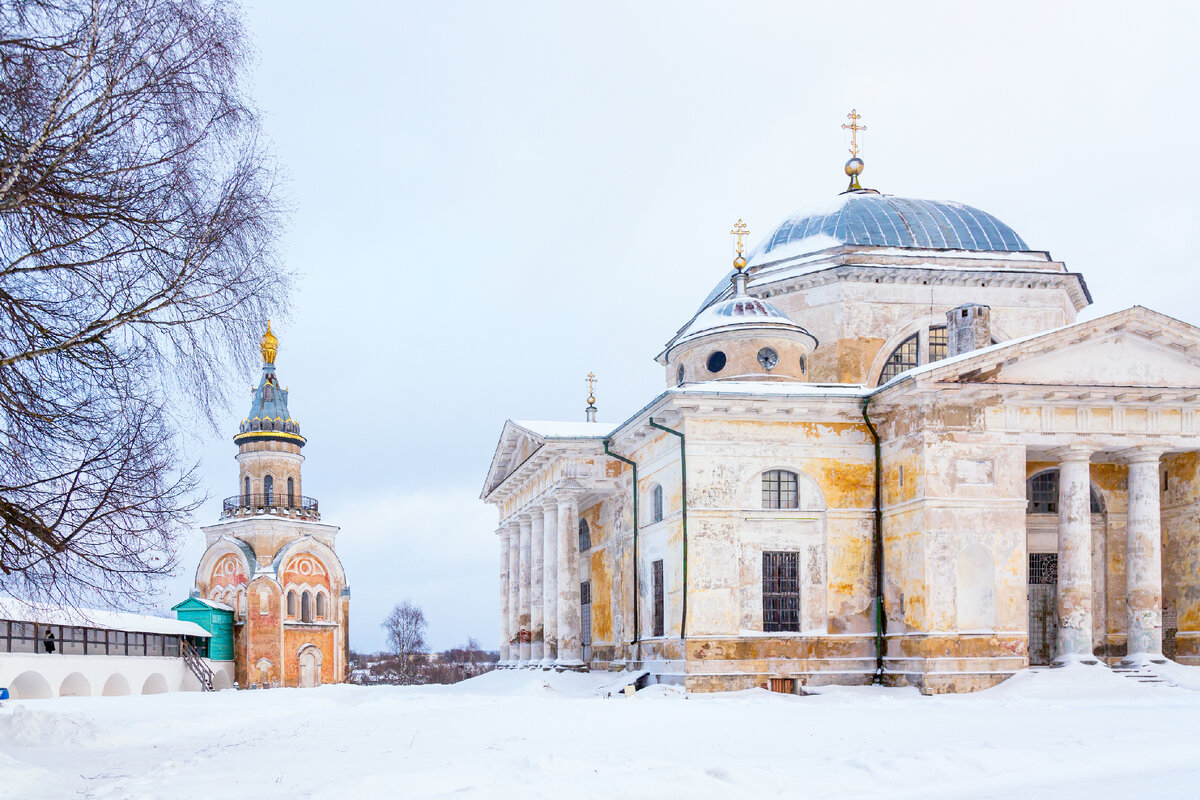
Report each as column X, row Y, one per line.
column 410, row 662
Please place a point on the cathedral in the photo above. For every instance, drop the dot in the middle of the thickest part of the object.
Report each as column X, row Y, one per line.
column 886, row 450
column 272, row 560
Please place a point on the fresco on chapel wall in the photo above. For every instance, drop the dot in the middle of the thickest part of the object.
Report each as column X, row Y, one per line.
column 308, row 570
column 228, row 571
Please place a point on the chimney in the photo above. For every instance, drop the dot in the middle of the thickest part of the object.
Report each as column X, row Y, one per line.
column 968, row 327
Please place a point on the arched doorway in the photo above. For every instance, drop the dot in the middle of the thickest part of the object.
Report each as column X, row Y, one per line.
column 310, row 667
column 1041, row 538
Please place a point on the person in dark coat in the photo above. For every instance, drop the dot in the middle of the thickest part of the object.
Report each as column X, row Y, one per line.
column 49, row 642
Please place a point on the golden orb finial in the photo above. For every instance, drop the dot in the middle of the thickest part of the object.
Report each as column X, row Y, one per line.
column 269, row 345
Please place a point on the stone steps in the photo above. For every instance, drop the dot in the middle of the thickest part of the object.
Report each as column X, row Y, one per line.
column 1143, row 673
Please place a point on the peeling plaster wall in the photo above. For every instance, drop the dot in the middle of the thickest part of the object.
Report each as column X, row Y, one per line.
column 853, row 319
column 1181, row 552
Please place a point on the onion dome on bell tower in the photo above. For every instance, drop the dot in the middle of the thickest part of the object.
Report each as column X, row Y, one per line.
column 269, row 444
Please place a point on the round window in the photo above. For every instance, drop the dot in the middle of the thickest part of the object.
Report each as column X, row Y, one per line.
column 768, row 358
column 716, row 362
column 679, row 376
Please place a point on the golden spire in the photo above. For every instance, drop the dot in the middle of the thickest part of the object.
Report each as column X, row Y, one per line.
column 591, row 382
column 269, row 345
column 740, row 230
column 854, row 128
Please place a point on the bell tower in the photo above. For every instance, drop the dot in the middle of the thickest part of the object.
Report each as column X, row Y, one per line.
column 271, row 559
column 269, row 444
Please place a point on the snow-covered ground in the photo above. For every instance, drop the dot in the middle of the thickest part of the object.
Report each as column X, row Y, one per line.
column 1080, row 732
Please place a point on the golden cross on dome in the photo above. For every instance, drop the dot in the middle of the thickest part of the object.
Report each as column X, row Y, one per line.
column 739, row 231
column 854, row 128
column 591, row 382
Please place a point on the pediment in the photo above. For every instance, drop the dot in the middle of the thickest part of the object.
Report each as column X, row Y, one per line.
column 1118, row 359
column 515, row 446
column 1135, row 348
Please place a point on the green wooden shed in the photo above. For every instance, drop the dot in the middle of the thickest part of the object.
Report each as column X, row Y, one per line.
column 215, row 618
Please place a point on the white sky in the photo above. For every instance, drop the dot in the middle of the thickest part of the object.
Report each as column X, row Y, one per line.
column 492, row 199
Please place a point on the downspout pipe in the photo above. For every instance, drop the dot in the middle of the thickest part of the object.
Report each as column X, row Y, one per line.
column 683, row 508
column 877, row 537
column 636, row 587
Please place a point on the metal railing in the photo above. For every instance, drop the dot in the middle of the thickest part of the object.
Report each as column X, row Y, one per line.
column 276, row 503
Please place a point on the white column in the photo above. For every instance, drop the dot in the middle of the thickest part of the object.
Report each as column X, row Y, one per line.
column 523, row 592
column 1075, row 557
column 514, row 603
column 550, row 583
column 502, row 534
column 1143, row 556
column 536, row 569
column 570, row 652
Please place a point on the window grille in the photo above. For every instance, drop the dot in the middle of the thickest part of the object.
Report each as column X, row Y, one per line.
column 781, row 591
column 585, row 536
column 902, row 359
column 657, row 570
column 269, row 490
column 656, row 503
column 585, row 619
column 1043, row 568
column 780, row 489
column 939, row 343
column 783, row 685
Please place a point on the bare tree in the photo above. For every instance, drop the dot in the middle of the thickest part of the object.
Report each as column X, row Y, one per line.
column 139, row 227
column 405, row 629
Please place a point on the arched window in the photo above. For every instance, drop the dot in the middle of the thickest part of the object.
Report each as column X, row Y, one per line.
column 780, row 489
column 902, row 359
column 1042, row 493
column 585, row 535
column 291, row 605
column 306, row 607
column 269, row 491
column 247, row 492
column 320, row 605
column 656, row 503
column 291, row 493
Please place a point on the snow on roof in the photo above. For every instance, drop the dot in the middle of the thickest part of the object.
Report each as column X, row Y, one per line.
column 51, row 614
column 567, row 430
column 213, row 604
column 774, row 388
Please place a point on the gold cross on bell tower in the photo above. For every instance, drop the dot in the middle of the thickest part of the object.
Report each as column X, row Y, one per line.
column 591, row 382
column 854, row 128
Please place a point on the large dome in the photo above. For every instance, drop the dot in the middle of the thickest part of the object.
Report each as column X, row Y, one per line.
column 869, row 218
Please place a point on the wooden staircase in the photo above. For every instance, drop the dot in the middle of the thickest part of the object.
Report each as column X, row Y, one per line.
column 198, row 667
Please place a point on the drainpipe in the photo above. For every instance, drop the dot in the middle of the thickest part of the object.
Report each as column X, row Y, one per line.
column 683, row 508
column 877, row 536
column 636, row 588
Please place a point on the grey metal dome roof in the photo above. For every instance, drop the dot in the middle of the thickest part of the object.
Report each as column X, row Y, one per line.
column 868, row 218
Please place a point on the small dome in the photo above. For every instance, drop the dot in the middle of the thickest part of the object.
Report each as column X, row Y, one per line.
column 737, row 312
column 872, row 219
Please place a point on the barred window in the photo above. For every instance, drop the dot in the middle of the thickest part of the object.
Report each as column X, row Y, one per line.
column 780, row 489
column 1042, row 493
column 269, row 490
column 656, row 503
column 939, row 342
column 781, row 591
column 902, row 359
column 585, row 536
column 657, row 571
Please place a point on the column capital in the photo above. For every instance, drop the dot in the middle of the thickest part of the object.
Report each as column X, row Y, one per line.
column 1073, row 452
column 547, row 503
column 1142, row 455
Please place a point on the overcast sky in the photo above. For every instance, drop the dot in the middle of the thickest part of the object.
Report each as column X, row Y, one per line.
column 492, row 199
